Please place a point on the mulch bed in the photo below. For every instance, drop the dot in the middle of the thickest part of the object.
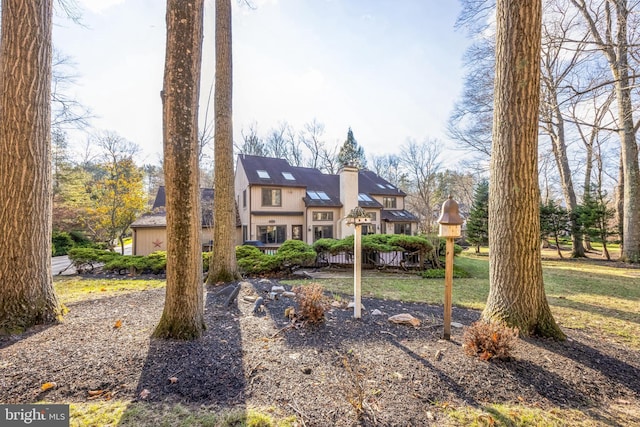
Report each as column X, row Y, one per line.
column 245, row 359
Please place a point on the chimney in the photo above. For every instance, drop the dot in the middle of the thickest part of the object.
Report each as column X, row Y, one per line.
column 348, row 197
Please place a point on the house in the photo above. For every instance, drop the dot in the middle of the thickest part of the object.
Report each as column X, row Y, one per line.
column 150, row 230
column 277, row 202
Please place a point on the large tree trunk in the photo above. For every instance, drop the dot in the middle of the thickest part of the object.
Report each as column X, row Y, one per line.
column 223, row 265
column 516, row 294
column 183, row 315
column 26, row 289
column 614, row 44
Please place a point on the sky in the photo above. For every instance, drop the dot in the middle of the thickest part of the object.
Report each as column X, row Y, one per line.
column 389, row 69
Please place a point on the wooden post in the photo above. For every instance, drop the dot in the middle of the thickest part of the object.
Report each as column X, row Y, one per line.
column 357, row 269
column 448, row 286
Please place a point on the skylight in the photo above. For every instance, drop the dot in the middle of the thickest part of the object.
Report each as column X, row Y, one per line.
column 318, row 195
column 288, row 176
column 380, row 185
column 263, row 174
column 364, row 198
column 390, row 186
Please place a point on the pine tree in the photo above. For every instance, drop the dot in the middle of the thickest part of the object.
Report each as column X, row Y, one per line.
column 554, row 220
column 478, row 222
column 351, row 154
column 596, row 217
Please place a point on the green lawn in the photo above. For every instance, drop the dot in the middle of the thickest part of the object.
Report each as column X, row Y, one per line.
column 600, row 298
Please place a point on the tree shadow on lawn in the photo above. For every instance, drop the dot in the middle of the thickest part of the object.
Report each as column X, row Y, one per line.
column 207, row 370
column 615, row 313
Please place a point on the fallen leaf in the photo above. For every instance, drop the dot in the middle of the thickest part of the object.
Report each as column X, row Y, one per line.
column 173, row 380
column 47, row 386
column 95, row 392
column 103, row 289
column 118, row 324
column 144, row 393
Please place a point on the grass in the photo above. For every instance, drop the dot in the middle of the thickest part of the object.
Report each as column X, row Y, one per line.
column 127, row 414
column 598, row 297
column 71, row 289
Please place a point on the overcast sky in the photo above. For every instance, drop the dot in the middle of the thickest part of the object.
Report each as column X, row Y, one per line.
column 389, row 69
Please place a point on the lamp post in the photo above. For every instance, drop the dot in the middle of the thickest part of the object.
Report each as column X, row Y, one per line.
column 450, row 228
column 357, row 217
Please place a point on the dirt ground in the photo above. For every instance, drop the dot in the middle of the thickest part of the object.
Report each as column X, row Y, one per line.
column 403, row 375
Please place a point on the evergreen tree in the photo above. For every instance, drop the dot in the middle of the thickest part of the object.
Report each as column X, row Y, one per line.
column 595, row 218
column 554, row 220
column 351, row 154
column 478, row 222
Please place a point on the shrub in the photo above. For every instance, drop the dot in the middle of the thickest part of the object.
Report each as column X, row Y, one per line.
column 489, row 340
column 252, row 260
column 294, row 253
column 61, row 242
column 83, row 258
column 312, row 303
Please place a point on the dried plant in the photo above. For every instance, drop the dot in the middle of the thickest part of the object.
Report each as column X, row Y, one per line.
column 355, row 385
column 312, row 303
column 489, row 340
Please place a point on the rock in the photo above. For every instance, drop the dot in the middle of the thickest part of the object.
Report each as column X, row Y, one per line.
column 249, row 298
column 405, row 319
column 456, row 325
column 336, row 304
column 264, row 281
column 289, row 294
column 294, row 356
column 278, row 289
column 258, row 306
column 377, row 312
column 274, row 295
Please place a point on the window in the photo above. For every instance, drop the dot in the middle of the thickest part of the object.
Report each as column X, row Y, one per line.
column 380, row 185
column 288, row 176
column 368, row 229
column 245, row 233
column 322, row 232
column 271, row 197
column 389, row 202
column 272, row 233
column 244, row 198
column 323, row 216
column 364, row 198
column 263, row 174
column 296, row 232
column 318, row 195
column 402, row 228
column 373, row 215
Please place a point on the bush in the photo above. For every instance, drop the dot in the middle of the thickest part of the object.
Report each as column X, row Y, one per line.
column 295, row 253
column 489, row 340
column 252, row 260
column 89, row 258
column 61, row 242
column 312, row 303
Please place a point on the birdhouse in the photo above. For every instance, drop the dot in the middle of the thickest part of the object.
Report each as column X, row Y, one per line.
column 450, row 220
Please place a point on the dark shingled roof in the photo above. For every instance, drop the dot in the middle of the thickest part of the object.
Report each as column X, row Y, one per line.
column 158, row 216
column 397, row 216
column 273, row 172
